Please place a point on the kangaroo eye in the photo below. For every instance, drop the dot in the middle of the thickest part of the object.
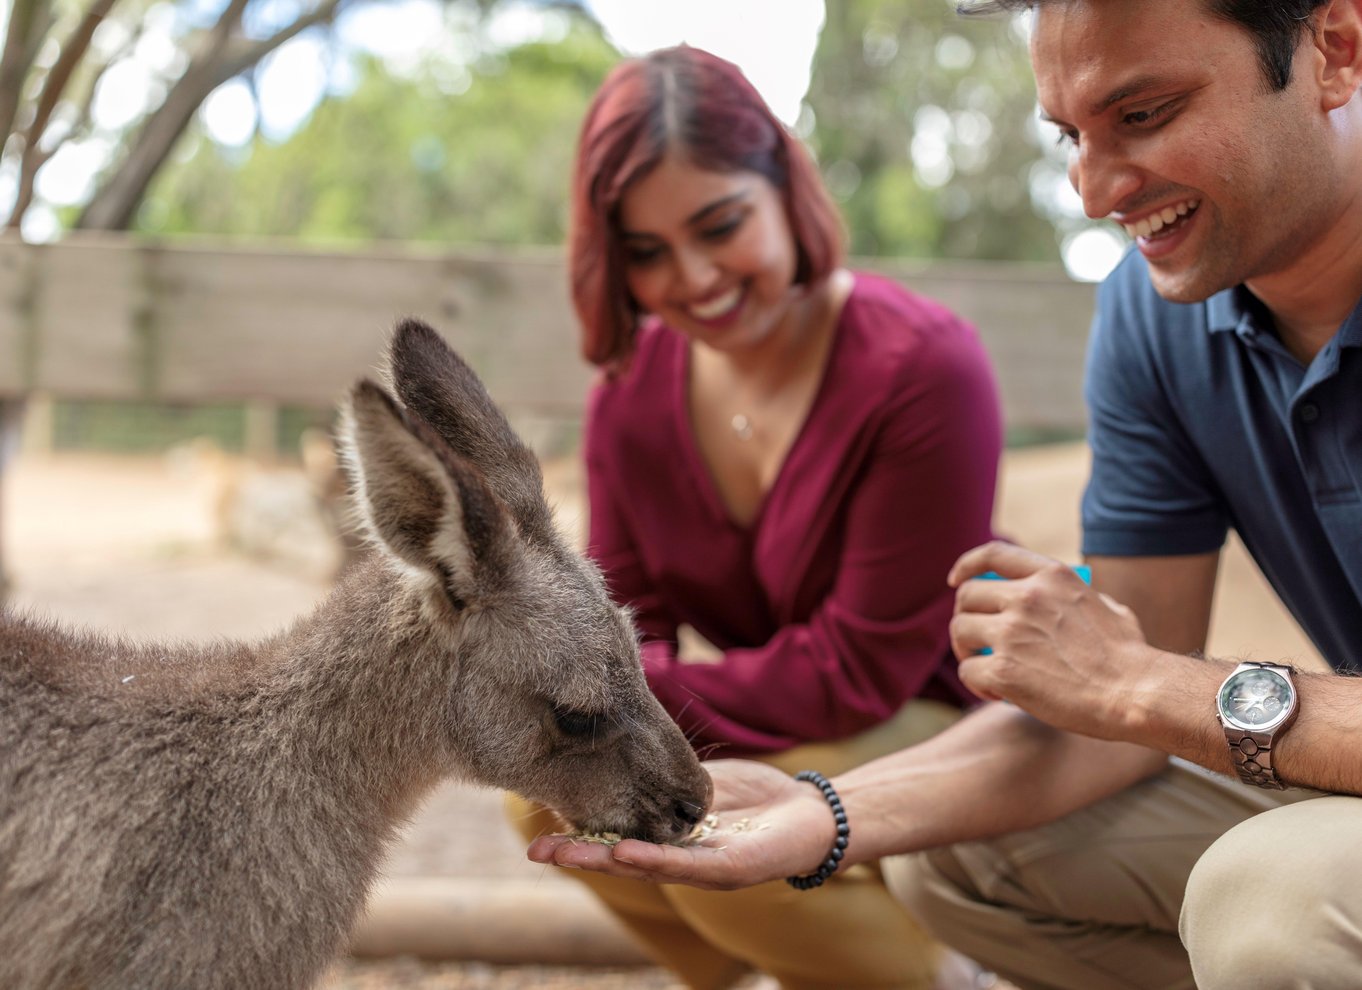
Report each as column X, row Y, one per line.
column 572, row 723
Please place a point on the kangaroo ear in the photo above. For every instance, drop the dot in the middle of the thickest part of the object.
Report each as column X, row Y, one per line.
column 435, row 383
column 421, row 501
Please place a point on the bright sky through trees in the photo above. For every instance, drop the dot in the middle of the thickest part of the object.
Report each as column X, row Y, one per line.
column 773, row 41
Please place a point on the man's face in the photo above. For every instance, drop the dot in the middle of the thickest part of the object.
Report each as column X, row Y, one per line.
column 1175, row 134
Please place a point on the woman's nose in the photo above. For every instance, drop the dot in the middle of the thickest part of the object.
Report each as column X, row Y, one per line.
column 694, row 271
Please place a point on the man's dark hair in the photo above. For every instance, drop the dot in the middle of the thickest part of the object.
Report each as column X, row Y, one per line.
column 1276, row 25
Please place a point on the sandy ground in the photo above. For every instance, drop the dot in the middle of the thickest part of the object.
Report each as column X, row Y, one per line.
column 137, row 545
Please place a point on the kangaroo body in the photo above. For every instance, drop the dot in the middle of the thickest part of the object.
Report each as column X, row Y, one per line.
column 212, row 817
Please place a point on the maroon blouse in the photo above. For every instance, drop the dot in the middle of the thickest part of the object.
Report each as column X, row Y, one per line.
column 832, row 606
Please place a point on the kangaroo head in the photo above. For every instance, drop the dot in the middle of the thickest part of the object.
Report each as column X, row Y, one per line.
column 545, row 695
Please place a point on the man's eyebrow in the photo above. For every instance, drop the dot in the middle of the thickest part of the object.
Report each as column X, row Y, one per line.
column 1134, row 87
column 1125, row 91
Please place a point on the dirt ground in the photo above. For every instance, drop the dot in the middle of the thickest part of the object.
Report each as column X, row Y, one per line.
column 142, row 545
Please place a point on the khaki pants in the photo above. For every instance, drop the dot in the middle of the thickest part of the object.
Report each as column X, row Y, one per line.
column 1092, row 901
column 848, row 934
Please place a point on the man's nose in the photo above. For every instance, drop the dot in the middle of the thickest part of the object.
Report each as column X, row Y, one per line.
column 1102, row 177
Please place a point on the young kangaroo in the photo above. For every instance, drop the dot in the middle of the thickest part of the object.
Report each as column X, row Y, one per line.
column 192, row 818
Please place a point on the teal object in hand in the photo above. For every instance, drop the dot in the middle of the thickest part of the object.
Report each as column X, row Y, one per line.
column 1082, row 570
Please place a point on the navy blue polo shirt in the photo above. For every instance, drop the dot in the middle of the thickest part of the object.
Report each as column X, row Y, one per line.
column 1200, row 419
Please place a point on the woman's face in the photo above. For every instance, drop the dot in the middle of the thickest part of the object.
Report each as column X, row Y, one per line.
column 710, row 253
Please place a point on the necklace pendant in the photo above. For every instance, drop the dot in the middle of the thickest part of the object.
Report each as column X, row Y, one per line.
column 742, row 426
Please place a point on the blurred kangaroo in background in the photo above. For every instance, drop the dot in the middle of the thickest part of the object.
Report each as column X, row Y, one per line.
column 188, row 818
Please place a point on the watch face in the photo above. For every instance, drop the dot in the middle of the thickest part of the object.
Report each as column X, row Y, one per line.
column 1256, row 699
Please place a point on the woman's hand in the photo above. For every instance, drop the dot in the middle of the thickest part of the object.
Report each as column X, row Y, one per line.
column 769, row 826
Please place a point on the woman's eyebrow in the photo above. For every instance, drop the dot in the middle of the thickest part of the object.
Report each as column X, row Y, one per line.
column 697, row 217
column 704, row 211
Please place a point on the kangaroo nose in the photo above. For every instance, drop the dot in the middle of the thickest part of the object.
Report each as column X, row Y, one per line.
column 688, row 813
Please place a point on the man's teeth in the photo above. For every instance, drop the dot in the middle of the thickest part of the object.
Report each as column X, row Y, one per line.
column 717, row 306
column 1155, row 222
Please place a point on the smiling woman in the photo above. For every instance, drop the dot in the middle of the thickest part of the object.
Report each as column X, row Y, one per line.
column 784, row 457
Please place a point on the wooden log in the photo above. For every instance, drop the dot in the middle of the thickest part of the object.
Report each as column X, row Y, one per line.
column 492, row 920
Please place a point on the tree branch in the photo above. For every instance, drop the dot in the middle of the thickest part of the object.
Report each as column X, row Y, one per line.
column 255, row 51
column 58, row 77
column 65, row 66
column 115, row 203
column 29, row 22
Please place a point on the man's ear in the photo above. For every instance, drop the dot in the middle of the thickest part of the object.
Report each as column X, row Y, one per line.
column 1338, row 39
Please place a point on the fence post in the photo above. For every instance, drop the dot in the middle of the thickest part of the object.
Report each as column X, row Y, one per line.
column 261, row 440
column 11, row 415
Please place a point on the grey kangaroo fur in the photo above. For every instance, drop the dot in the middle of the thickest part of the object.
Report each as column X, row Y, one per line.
column 178, row 817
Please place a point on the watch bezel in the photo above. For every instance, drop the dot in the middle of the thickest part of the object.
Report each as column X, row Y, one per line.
column 1278, row 720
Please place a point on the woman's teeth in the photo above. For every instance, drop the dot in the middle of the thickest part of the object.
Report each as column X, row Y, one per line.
column 1156, row 222
column 718, row 306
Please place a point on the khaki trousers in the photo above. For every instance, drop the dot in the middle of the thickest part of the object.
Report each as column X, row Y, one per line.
column 849, row 934
column 1092, row 901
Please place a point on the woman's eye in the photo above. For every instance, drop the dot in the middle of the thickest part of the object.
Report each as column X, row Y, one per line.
column 642, row 255
column 722, row 229
column 577, row 724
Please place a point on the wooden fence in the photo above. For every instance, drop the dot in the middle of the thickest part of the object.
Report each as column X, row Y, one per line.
column 109, row 318
column 106, row 317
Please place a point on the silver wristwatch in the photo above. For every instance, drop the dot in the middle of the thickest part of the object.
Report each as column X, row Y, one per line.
column 1256, row 704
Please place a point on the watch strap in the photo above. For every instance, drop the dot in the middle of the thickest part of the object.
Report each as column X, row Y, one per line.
column 1251, row 752
column 1252, row 756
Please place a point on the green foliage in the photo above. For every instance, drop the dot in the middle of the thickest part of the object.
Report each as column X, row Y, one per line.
column 449, row 153
column 141, row 427
column 922, row 121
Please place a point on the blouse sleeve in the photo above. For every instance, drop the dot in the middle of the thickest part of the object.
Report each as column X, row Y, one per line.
column 922, row 497
column 611, row 545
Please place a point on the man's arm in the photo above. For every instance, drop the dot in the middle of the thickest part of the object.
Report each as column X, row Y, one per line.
column 1171, row 596
column 1079, row 661
column 996, row 771
column 1000, row 769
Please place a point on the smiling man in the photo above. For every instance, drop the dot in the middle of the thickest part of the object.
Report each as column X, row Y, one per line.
column 1052, row 838
column 1224, row 387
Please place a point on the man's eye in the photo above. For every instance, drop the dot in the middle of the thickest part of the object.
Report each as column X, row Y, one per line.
column 1153, row 115
column 577, row 724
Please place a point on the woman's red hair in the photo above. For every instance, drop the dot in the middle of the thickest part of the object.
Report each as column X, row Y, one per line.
column 687, row 100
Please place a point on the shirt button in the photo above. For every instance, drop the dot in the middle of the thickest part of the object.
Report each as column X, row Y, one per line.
column 1309, row 412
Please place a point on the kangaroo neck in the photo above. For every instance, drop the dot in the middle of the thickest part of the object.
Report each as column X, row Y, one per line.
column 362, row 684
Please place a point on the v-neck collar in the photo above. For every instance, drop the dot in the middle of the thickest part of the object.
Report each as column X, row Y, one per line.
column 706, row 485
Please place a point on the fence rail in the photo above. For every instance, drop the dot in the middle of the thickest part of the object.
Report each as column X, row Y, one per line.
column 112, row 318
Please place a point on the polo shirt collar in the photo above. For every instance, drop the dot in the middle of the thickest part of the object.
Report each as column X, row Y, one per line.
column 1239, row 310
column 1236, row 309
column 1225, row 310
column 1350, row 334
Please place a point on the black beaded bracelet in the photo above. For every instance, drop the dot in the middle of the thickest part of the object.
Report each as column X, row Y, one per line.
column 839, row 846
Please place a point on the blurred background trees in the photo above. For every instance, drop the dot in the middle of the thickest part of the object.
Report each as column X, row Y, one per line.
column 924, row 125
column 923, row 122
